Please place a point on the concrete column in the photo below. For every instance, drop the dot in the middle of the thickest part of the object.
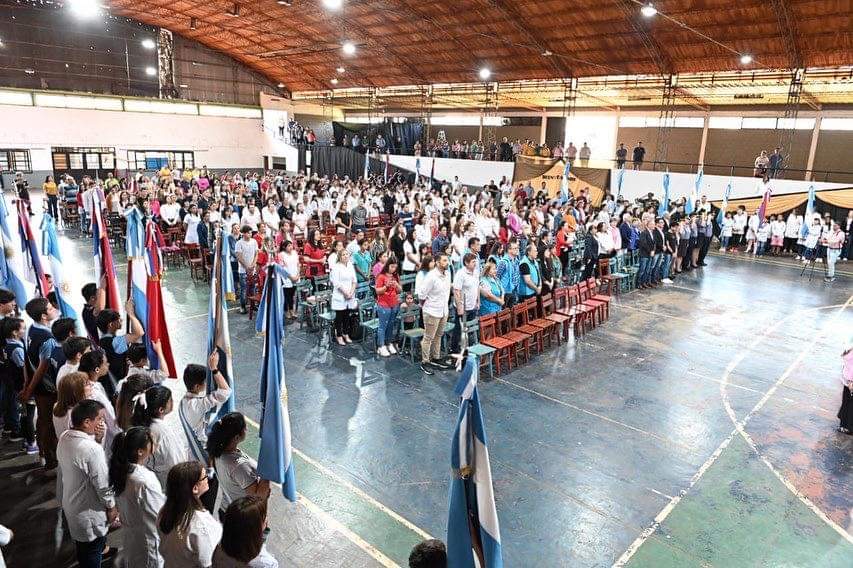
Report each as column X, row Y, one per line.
column 543, row 129
column 704, row 142
column 480, row 133
column 813, row 146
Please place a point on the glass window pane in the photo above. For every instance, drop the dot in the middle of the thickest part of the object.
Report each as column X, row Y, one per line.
column 107, row 161
column 189, row 160
column 93, row 161
column 4, row 161
column 21, row 159
column 76, row 161
column 60, row 161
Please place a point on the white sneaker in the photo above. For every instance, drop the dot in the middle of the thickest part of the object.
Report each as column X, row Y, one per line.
column 383, row 351
column 722, row 250
column 666, row 281
column 391, row 349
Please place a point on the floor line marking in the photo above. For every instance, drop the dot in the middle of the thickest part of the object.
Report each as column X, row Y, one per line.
column 665, row 512
column 712, row 379
column 329, row 473
column 740, row 425
column 185, row 318
column 595, row 414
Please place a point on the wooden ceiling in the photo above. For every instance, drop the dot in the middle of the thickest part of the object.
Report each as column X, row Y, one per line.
column 423, row 42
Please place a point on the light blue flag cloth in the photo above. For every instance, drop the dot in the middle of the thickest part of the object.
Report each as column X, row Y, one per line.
column 275, row 458
column 664, row 204
column 218, row 334
column 804, row 229
column 722, row 212
column 366, row 164
column 11, row 276
column 564, row 183
column 50, row 249
column 473, row 532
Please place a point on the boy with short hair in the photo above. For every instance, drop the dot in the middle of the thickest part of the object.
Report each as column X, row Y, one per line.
column 115, row 346
column 73, row 348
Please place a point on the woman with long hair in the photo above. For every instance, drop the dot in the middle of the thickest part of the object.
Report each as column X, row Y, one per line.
column 139, row 497
column 188, row 533
column 314, row 255
column 343, row 281
column 73, row 388
column 242, row 545
column 237, row 472
column 388, row 290
column 133, row 385
column 170, row 444
column 288, row 258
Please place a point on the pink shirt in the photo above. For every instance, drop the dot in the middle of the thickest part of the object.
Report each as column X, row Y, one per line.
column 847, row 368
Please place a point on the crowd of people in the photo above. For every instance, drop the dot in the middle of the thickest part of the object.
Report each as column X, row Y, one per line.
column 95, row 412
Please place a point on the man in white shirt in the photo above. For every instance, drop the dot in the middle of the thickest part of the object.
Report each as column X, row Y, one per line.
column 466, row 297
column 170, row 212
column 434, row 295
column 87, row 499
column 246, row 251
column 251, row 216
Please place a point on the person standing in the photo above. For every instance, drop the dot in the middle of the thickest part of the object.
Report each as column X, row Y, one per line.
column 530, row 282
column 246, row 251
column 87, row 499
column 585, row 154
column 834, row 243
column 639, row 155
column 621, row 156
column 434, row 294
column 775, row 162
column 388, row 290
column 466, row 297
column 508, row 273
column 237, row 472
column 170, row 444
column 646, row 246
column 845, row 413
column 52, row 193
column 39, row 346
column 343, row 280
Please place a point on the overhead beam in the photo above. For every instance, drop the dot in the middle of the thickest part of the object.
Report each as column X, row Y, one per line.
column 788, row 33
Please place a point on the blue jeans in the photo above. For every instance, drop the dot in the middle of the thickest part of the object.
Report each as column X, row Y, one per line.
column 762, row 245
column 456, row 334
column 643, row 271
column 667, row 262
column 90, row 554
column 725, row 242
column 242, row 289
column 386, row 333
column 654, row 271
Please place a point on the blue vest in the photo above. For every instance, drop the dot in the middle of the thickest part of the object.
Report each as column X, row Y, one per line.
column 11, row 371
column 36, row 336
column 523, row 288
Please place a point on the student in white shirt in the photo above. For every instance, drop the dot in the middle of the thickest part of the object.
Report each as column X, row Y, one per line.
column 188, row 533
column 170, row 211
column 73, row 348
column 139, row 497
column 434, row 295
column 237, row 472
column 191, row 221
column 170, row 443
column 343, row 280
column 251, row 216
column 73, row 389
column 87, row 498
column 242, row 545
column 96, row 366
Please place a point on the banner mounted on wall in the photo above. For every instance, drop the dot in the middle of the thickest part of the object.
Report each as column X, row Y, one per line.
column 539, row 171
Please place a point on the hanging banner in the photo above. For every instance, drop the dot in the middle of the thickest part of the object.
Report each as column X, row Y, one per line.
column 539, row 171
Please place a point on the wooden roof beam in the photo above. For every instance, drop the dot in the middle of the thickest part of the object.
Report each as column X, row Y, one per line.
column 788, row 33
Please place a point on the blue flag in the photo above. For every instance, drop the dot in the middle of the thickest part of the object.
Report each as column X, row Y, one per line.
column 472, row 524
column 418, row 169
column 366, row 164
column 619, row 178
column 50, row 249
column 804, row 229
column 218, row 335
column 722, row 213
column 564, row 183
column 11, row 275
column 275, row 458
column 664, row 204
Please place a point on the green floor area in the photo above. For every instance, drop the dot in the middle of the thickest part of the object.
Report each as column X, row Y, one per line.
column 738, row 514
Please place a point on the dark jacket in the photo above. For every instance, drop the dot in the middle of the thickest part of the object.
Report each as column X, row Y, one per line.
column 647, row 244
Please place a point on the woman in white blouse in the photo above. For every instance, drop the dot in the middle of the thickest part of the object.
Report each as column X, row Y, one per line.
column 170, row 443
column 139, row 497
column 73, row 388
column 288, row 258
column 188, row 533
column 343, row 281
column 300, row 221
column 191, row 221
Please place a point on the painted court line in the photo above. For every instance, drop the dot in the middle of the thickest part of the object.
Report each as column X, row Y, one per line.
column 599, row 416
column 665, row 512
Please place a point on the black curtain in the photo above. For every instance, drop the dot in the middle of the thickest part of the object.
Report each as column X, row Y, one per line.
column 400, row 137
column 337, row 161
column 301, row 160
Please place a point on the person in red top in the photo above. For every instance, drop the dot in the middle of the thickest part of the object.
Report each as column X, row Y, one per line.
column 563, row 243
column 388, row 290
column 314, row 255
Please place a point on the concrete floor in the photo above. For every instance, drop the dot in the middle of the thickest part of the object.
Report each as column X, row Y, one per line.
column 670, row 433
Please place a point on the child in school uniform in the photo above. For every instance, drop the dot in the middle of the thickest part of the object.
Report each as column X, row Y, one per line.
column 762, row 235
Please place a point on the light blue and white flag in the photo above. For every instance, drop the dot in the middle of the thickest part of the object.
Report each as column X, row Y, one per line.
column 564, row 183
column 722, row 213
column 620, row 176
column 275, row 458
column 50, row 249
column 473, row 533
column 366, row 165
column 807, row 219
column 218, row 334
column 664, row 204
column 137, row 273
column 11, row 272
column 418, row 169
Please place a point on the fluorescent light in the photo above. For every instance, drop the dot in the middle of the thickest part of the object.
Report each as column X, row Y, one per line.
column 334, row 81
column 85, row 8
column 148, row 43
column 725, row 122
column 77, row 101
column 745, row 59
column 349, row 47
column 485, row 73
column 150, row 71
column 29, row 71
column 340, row 70
column 183, row 86
column 284, row 2
column 333, row 4
column 648, row 10
column 281, row 85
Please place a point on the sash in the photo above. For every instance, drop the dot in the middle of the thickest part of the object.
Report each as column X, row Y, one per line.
column 197, row 449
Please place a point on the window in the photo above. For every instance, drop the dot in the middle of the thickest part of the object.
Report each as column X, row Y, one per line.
column 836, row 124
column 725, row 122
column 156, row 159
column 15, row 160
column 87, row 160
column 759, row 123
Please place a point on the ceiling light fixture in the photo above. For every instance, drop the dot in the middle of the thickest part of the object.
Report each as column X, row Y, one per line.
column 150, row 71
column 485, row 73
column 193, row 23
column 284, row 2
column 349, row 47
column 29, row 71
column 745, row 59
column 281, row 85
column 340, row 70
column 148, row 43
column 334, row 81
column 234, row 11
column 183, row 86
column 649, row 10
column 85, row 8
column 547, row 53
column 333, row 4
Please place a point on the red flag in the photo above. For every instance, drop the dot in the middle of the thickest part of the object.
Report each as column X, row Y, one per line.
column 156, row 328
column 104, row 265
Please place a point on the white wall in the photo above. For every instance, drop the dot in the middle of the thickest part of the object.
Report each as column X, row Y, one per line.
column 470, row 172
column 639, row 183
column 218, row 142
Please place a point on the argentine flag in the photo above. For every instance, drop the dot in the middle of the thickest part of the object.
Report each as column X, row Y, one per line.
column 11, row 275
column 218, row 334
column 275, row 458
column 564, row 184
column 807, row 219
column 137, row 274
column 366, row 164
column 473, row 534
column 722, row 213
column 664, row 204
column 50, row 249
column 418, row 169
column 620, row 176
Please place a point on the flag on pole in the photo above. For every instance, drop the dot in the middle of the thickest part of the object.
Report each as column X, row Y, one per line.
column 30, row 252
column 10, row 270
column 103, row 254
column 664, row 204
column 765, row 202
column 418, row 170
column 804, row 228
column 564, row 184
column 722, row 213
column 275, row 458
column 50, row 249
column 431, row 174
column 473, row 534
column 619, row 177
column 366, row 164
column 137, row 280
column 387, row 166
column 218, row 335
column 155, row 324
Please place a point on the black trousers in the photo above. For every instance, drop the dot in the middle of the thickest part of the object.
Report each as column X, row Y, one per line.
column 343, row 319
column 845, row 413
column 704, row 243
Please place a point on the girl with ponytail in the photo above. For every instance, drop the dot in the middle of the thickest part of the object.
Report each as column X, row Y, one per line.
column 150, row 408
column 237, row 472
column 139, row 497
